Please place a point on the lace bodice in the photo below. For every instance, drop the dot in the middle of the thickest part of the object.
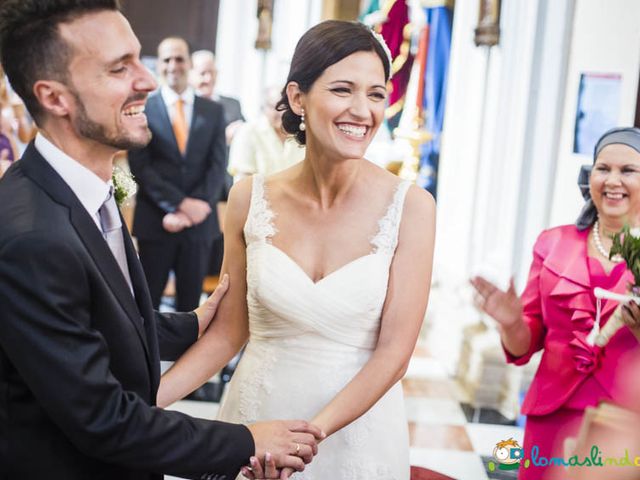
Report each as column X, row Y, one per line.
column 259, row 225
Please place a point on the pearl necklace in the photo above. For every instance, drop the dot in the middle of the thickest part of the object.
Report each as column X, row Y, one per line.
column 597, row 242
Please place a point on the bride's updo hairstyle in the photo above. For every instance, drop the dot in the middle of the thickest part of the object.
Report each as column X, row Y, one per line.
column 320, row 47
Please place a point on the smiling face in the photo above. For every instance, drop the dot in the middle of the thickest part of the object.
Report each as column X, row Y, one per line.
column 107, row 82
column 615, row 185
column 174, row 63
column 345, row 106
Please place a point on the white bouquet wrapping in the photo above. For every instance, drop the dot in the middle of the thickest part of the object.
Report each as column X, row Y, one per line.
column 626, row 243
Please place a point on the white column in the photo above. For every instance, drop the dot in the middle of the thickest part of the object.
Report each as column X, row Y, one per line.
column 483, row 142
column 460, row 141
column 489, row 178
column 237, row 60
column 543, row 132
column 504, row 133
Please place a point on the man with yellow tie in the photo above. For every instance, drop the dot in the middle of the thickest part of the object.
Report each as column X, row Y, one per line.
column 181, row 174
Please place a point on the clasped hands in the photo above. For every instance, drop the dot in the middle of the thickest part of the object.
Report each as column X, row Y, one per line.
column 284, row 446
column 190, row 212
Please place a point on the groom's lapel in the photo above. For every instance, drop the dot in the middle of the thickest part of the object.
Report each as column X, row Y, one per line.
column 37, row 168
column 138, row 280
column 143, row 299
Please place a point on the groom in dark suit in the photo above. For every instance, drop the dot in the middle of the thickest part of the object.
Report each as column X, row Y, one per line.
column 182, row 177
column 79, row 341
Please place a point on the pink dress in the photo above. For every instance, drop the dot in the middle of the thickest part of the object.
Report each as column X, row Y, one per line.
column 559, row 308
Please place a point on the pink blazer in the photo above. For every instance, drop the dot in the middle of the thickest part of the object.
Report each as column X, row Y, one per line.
column 560, row 309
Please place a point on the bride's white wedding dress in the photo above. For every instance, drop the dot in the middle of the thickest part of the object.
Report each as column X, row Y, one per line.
column 308, row 340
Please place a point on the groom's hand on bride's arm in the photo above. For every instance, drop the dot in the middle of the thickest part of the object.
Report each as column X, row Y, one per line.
column 207, row 310
column 290, row 443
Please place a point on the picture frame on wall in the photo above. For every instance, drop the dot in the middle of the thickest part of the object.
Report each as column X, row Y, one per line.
column 598, row 109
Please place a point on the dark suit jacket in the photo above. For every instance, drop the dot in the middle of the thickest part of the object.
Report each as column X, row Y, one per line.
column 232, row 109
column 166, row 177
column 79, row 356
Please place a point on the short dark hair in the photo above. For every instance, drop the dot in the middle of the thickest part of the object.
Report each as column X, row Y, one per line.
column 320, row 47
column 176, row 38
column 31, row 47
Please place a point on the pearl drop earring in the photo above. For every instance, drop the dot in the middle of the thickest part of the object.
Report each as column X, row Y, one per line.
column 302, row 126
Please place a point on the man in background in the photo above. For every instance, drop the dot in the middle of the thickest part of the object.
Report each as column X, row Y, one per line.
column 182, row 176
column 203, row 78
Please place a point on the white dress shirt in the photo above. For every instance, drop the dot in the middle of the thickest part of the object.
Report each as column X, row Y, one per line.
column 90, row 189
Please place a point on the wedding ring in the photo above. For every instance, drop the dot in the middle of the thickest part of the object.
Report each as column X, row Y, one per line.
column 297, row 448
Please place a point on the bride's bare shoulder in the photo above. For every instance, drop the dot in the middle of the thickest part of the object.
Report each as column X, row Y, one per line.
column 239, row 201
column 281, row 184
column 419, row 214
column 418, row 202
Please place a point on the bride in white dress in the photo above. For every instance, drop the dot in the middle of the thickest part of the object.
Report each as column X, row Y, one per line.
column 330, row 265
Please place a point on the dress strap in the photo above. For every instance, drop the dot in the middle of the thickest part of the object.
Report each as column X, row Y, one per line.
column 386, row 240
column 259, row 225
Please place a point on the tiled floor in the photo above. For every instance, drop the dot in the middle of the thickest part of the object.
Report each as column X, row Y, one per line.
column 442, row 437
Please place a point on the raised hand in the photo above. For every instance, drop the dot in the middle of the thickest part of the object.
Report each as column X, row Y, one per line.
column 504, row 307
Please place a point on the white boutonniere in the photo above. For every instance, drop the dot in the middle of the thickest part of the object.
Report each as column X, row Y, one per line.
column 124, row 185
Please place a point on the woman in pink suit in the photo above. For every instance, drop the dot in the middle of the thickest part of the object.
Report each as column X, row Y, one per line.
column 557, row 309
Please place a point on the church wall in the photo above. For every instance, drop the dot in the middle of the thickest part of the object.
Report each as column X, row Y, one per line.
column 606, row 39
column 506, row 170
column 497, row 155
